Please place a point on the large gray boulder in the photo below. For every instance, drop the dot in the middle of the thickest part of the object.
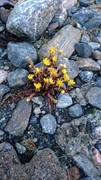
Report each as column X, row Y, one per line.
column 30, row 18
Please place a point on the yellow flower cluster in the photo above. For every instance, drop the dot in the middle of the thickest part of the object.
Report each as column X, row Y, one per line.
column 50, row 77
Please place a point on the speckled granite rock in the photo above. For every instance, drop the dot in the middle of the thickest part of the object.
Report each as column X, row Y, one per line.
column 10, row 166
column 46, row 165
column 30, row 18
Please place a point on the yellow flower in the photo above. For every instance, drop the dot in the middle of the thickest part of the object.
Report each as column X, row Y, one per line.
column 71, row 82
column 38, row 86
column 54, row 59
column 59, row 83
column 46, row 62
column 30, row 76
column 27, row 99
column 51, row 81
column 64, row 71
column 63, row 65
column 52, row 71
column 66, row 77
column 62, row 92
column 52, row 50
column 30, row 66
column 46, row 80
column 37, row 70
column 60, row 51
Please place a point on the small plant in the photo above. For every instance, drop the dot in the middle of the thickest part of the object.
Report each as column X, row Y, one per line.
column 50, row 78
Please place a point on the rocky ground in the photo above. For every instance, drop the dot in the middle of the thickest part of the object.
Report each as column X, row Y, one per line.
column 34, row 143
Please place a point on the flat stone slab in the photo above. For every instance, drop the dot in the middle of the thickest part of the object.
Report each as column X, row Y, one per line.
column 88, row 64
column 20, row 118
column 65, row 39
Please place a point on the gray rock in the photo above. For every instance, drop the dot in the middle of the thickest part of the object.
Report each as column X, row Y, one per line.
column 64, row 101
column 3, row 75
column 28, row 18
column 4, row 13
column 79, row 96
column 65, row 39
column 66, row 4
column 94, row 22
column 84, row 3
column 4, row 54
column 83, row 15
column 74, row 141
column 98, row 132
column 1, row 134
column 88, row 64
column 38, row 100
column 20, row 118
column 17, row 53
column 97, row 55
column 89, row 18
column 85, row 38
column 1, row 28
column 84, row 163
column 48, row 123
column 17, row 78
column 60, row 16
column 99, row 62
column 98, row 83
column 75, row 110
column 98, row 2
column 20, row 148
column 45, row 165
column 83, row 50
column 71, row 66
column 3, row 90
column 10, row 164
column 86, row 76
column 94, row 97
column 1, row 51
column 94, row 45
column 86, row 178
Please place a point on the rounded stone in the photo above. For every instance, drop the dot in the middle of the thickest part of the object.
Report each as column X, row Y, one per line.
column 83, row 49
column 86, row 76
column 94, row 45
column 64, row 101
column 94, row 97
column 98, row 131
column 3, row 90
column 29, row 19
column 17, row 53
column 17, row 78
column 20, row 148
column 84, row 3
column 48, row 123
column 75, row 110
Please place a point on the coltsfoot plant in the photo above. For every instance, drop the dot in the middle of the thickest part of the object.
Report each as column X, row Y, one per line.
column 49, row 79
